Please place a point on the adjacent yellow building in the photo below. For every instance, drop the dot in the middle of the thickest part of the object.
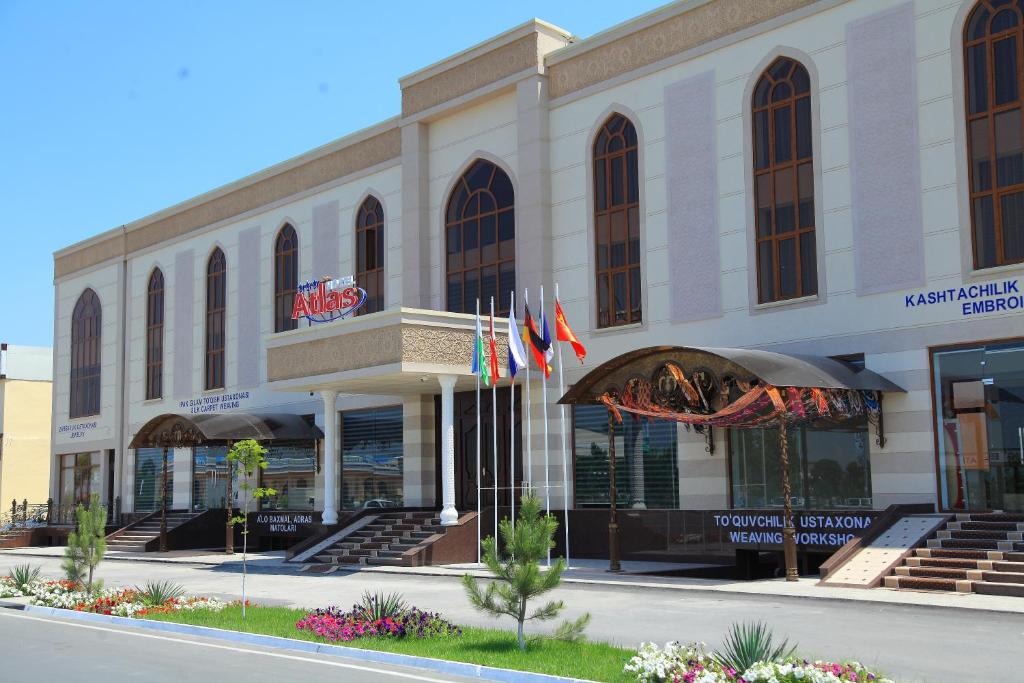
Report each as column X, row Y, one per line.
column 26, row 394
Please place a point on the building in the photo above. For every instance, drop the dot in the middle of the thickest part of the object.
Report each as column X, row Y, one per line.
column 836, row 178
column 26, row 394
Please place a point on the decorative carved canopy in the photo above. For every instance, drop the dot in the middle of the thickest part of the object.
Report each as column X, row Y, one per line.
column 183, row 431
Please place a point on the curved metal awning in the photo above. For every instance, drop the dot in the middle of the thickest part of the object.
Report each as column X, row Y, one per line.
column 179, row 431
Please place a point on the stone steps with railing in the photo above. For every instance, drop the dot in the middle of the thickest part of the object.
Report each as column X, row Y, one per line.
column 386, row 540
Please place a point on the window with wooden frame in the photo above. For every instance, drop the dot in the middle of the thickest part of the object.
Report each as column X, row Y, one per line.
column 86, row 319
column 993, row 69
column 617, row 223
column 787, row 261
column 370, row 254
column 480, row 240
column 286, row 278
column 216, row 312
column 155, row 335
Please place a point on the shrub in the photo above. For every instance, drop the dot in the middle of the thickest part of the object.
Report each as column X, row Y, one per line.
column 156, row 593
column 23, row 575
column 374, row 606
column 748, row 644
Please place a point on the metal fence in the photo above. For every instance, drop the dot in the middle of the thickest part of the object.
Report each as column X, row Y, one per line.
column 26, row 515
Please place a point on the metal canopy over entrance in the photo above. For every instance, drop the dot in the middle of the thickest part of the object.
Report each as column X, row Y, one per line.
column 724, row 387
column 181, row 431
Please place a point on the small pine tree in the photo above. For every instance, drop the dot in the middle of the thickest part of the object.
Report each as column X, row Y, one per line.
column 250, row 457
column 87, row 544
column 518, row 574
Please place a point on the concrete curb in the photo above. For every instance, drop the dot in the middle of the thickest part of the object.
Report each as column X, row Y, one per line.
column 443, row 666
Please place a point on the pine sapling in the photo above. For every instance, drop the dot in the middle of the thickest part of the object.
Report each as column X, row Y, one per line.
column 87, row 544
column 250, row 457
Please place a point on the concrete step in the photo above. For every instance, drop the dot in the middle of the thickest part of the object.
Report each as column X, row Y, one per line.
column 999, row 588
column 952, row 563
column 982, row 534
column 949, row 553
column 1003, row 577
column 387, row 561
column 933, row 572
column 930, row 584
column 985, row 526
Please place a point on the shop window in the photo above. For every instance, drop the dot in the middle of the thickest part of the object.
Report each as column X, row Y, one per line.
column 286, row 278
column 480, row 240
column 371, row 457
column 784, row 183
column 993, row 68
column 216, row 314
column 617, row 223
column 155, row 335
column 829, row 468
column 370, row 254
column 149, row 470
column 79, row 478
column 209, row 478
column 86, row 321
column 646, row 466
column 290, row 471
column 979, row 393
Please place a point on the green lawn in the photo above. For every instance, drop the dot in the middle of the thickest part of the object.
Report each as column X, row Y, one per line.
column 489, row 647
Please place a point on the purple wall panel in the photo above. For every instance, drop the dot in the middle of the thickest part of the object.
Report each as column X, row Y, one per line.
column 185, row 353
column 248, row 341
column 885, row 166
column 695, row 277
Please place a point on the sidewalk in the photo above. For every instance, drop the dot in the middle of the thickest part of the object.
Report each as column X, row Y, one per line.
column 582, row 572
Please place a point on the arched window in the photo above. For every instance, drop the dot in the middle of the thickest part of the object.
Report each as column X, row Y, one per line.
column 155, row 335
column 617, row 223
column 85, row 355
column 286, row 278
column 370, row 254
column 787, row 262
column 216, row 310
column 994, row 67
column 480, row 236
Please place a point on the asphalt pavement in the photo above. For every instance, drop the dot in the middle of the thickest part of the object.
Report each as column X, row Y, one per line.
column 908, row 642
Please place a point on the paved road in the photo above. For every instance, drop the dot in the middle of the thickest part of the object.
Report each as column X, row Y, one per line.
column 911, row 643
column 45, row 649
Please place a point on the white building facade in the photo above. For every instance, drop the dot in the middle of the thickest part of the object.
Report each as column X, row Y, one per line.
column 808, row 177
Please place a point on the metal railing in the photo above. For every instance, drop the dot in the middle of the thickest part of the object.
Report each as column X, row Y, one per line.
column 25, row 515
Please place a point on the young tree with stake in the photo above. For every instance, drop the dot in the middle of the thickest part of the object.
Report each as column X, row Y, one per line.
column 251, row 459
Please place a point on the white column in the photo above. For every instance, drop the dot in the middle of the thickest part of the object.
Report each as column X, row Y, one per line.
column 449, row 515
column 330, row 514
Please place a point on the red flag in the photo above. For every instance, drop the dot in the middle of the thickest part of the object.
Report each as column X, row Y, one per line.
column 564, row 333
column 494, row 351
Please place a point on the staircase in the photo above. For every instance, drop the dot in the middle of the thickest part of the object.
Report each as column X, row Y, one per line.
column 977, row 552
column 133, row 538
column 386, row 540
column 15, row 537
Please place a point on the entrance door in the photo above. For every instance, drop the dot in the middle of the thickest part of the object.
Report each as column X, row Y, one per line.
column 466, row 451
column 209, row 478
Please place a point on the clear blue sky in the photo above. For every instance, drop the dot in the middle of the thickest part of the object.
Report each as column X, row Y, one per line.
column 110, row 111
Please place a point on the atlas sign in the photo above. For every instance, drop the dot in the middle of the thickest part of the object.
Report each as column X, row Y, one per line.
column 327, row 299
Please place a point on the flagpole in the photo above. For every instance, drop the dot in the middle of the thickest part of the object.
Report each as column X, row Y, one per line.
column 479, row 510
column 494, row 429
column 529, row 427
column 565, row 457
column 544, row 400
column 512, row 421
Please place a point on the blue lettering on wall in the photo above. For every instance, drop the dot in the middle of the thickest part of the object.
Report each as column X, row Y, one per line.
column 990, row 297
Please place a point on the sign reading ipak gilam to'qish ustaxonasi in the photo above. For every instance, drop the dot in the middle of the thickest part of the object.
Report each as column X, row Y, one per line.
column 76, row 430
column 213, row 404
column 990, row 297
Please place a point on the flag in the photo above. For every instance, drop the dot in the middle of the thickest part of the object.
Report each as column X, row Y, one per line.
column 564, row 333
column 540, row 348
column 479, row 366
column 494, row 349
column 516, row 352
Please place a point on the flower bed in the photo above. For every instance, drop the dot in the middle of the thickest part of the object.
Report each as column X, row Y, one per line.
column 692, row 663
column 120, row 602
column 334, row 625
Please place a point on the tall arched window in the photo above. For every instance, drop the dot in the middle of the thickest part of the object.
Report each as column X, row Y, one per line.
column 994, row 67
column 480, row 235
column 216, row 310
column 370, row 254
column 155, row 335
column 85, row 355
column 286, row 278
column 617, row 223
column 787, row 262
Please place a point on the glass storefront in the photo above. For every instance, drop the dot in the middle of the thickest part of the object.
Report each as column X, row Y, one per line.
column 979, row 395
column 371, row 458
column 829, row 468
column 148, row 475
column 209, row 477
column 79, row 477
column 646, row 470
column 291, row 472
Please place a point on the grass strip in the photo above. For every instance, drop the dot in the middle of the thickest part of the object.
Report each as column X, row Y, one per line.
column 488, row 647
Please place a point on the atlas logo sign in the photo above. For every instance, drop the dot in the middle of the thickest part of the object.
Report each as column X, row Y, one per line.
column 327, row 299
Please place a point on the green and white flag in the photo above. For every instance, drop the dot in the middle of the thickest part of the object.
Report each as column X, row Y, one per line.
column 479, row 362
